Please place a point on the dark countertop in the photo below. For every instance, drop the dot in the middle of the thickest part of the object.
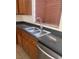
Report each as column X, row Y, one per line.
column 56, row 46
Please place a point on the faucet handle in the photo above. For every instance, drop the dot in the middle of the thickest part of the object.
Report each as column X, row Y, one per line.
column 38, row 18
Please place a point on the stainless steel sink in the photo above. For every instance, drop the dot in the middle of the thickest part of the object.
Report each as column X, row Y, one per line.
column 36, row 31
column 31, row 29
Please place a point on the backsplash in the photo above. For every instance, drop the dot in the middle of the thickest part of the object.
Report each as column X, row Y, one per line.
column 26, row 18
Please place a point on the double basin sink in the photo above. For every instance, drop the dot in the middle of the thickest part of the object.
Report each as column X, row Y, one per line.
column 37, row 32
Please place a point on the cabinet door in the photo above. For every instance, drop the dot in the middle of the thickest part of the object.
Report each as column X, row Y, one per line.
column 25, row 42
column 17, row 7
column 16, row 36
column 25, row 7
column 25, row 45
column 19, row 37
column 29, row 45
column 22, row 6
column 33, row 49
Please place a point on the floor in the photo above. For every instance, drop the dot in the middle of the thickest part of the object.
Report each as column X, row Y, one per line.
column 20, row 53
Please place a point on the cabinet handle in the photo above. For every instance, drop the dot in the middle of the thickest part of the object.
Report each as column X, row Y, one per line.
column 45, row 52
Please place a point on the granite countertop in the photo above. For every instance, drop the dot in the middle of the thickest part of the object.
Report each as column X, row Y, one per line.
column 45, row 40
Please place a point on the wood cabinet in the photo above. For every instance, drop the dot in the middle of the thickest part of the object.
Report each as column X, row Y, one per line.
column 19, row 36
column 28, row 43
column 17, row 9
column 23, row 7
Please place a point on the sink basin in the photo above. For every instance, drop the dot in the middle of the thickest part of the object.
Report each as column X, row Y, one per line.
column 36, row 31
column 31, row 29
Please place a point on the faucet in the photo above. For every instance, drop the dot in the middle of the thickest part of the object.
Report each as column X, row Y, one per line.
column 41, row 26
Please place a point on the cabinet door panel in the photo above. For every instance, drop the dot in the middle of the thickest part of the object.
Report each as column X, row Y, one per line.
column 19, row 40
column 19, row 36
column 29, row 45
column 29, row 5
column 26, row 45
column 34, row 52
column 33, row 48
column 17, row 7
column 23, row 7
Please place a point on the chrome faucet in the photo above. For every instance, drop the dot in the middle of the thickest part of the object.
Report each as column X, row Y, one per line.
column 41, row 25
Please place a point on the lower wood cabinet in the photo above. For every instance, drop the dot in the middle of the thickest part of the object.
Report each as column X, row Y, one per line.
column 19, row 36
column 28, row 43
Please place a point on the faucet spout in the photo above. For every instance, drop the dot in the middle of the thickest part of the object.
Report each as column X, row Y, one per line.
column 41, row 25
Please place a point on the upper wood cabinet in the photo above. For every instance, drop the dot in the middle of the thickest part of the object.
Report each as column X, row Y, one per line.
column 24, row 7
column 49, row 11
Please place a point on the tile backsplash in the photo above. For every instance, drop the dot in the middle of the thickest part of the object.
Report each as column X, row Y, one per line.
column 26, row 18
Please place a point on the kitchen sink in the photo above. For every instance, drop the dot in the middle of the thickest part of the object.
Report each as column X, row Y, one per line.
column 37, row 31
column 31, row 29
